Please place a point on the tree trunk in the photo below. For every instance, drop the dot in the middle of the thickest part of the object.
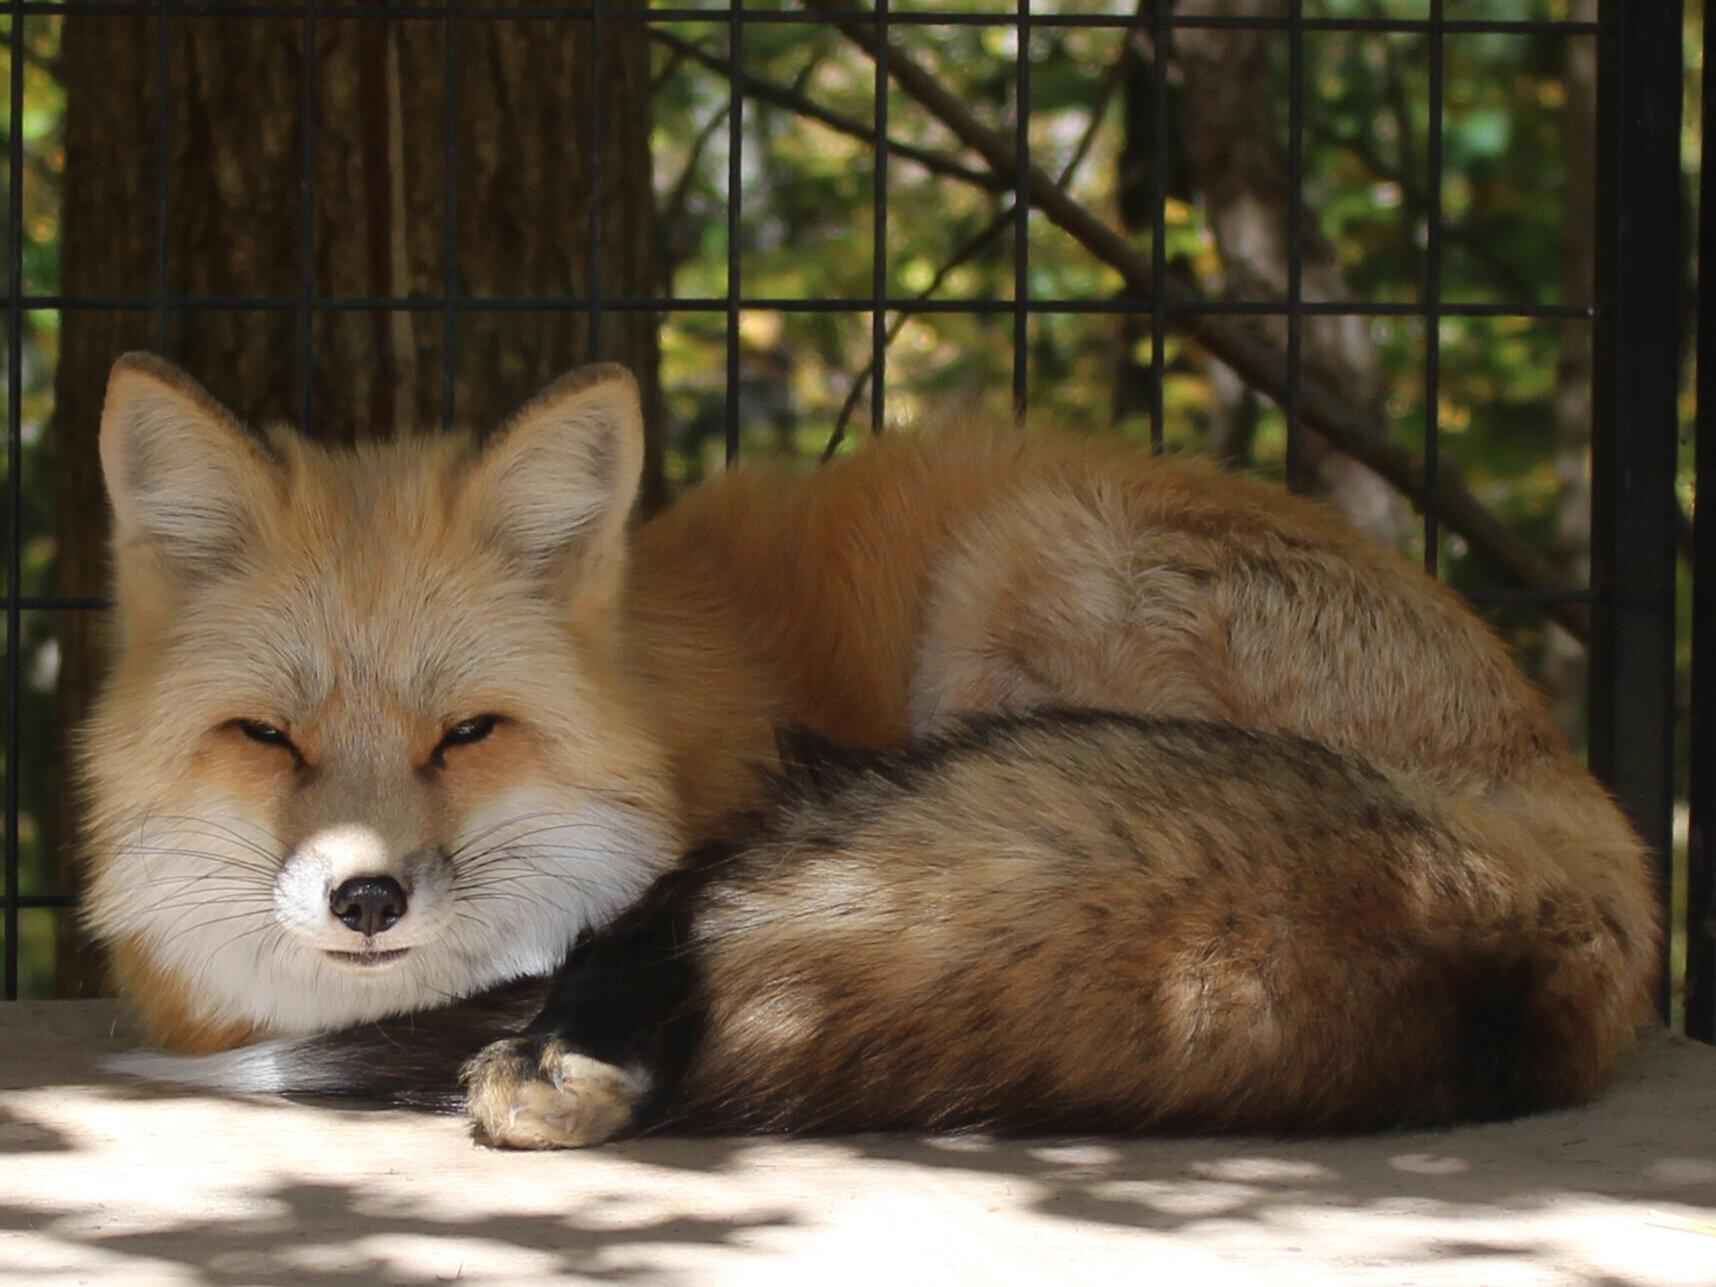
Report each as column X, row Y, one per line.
column 524, row 182
column 1234, row 138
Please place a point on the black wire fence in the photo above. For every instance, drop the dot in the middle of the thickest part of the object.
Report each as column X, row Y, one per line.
column 1627, row 318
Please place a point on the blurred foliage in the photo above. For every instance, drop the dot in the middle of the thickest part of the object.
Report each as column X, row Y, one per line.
column 804, row 236
column 806, row 231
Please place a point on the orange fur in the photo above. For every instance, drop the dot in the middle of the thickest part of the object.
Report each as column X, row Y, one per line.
column 394, row 590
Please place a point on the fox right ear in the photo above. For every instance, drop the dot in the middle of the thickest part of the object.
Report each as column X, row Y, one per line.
column 184, row 478
column 555, row 487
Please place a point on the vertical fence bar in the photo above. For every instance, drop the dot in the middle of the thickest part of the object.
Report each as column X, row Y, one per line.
column 1022, row 213
column 1295, row 240
column 307, row 222
column 163, row 166
column 1701, row 784
column 450, row 224
column 1433, row 287
column 735, row 148
column 1634, row 389
column 593, row 323
column 14, row 487
column 879, row 219
column 1161, row 38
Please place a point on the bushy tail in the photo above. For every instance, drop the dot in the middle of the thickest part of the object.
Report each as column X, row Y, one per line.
column 1073, row 921
column 411, row 1060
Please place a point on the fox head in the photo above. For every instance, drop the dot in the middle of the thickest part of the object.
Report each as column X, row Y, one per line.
column 368, row 742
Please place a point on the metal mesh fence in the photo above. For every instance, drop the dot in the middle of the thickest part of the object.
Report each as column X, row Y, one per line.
column 1625, row 318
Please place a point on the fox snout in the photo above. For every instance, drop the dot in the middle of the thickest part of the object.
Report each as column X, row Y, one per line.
column 349, row 892
column 369, row 905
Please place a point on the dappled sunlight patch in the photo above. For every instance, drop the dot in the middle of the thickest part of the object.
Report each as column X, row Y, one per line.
column 119, row 1186
column 1429, row 1164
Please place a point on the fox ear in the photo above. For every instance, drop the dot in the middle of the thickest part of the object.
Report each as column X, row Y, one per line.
column 184, row 478
column 555, row 487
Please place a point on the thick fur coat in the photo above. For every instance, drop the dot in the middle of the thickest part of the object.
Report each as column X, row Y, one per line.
column 389, row 726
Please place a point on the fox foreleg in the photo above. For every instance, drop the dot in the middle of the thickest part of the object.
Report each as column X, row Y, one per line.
column 608, row 1048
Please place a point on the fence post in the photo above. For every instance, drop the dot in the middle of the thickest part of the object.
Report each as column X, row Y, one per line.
column 1701, row 780
column 1634, row 394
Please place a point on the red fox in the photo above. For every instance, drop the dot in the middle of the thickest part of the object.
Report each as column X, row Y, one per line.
column 1168, row 799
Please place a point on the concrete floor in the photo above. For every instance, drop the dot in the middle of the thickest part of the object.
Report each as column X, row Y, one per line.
column 107, row 1182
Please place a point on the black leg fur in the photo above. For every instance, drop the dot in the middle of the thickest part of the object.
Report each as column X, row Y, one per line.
column 625, row 996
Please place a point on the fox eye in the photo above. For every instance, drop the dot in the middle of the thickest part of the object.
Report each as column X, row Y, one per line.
column 463, row 733
column 268, row 735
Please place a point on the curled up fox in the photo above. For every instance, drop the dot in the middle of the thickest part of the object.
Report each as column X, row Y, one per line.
column 1124, row 794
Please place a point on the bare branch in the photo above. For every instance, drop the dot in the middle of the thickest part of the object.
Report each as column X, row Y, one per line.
column 794, row 101
column 679, row 196
column 973, row 246
column 1353, row 430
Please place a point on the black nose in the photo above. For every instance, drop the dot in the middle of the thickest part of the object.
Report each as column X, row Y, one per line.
column 368, row 904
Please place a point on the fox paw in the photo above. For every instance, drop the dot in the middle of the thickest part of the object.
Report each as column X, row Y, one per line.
column 533, row 1092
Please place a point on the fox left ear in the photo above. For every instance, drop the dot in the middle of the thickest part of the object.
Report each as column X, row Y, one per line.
column 555, row 487
column 188, row 485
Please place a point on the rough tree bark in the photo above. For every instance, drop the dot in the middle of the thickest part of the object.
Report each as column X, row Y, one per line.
column 524, row 183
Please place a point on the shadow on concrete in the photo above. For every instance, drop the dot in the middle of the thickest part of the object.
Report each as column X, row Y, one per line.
column 333, row 1235
column 21, row 1135
column 1650, row 1142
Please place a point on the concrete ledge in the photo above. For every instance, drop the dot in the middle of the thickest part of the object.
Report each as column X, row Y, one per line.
column 105, row 1182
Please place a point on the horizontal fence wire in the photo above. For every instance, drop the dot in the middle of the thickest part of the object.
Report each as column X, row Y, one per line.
column 797, row 304
column 810, row 16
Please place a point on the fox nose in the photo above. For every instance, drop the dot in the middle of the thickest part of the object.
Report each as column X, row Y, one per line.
column 368, row 905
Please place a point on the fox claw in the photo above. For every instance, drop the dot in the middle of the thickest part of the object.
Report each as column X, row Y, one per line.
column 534, row 1093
